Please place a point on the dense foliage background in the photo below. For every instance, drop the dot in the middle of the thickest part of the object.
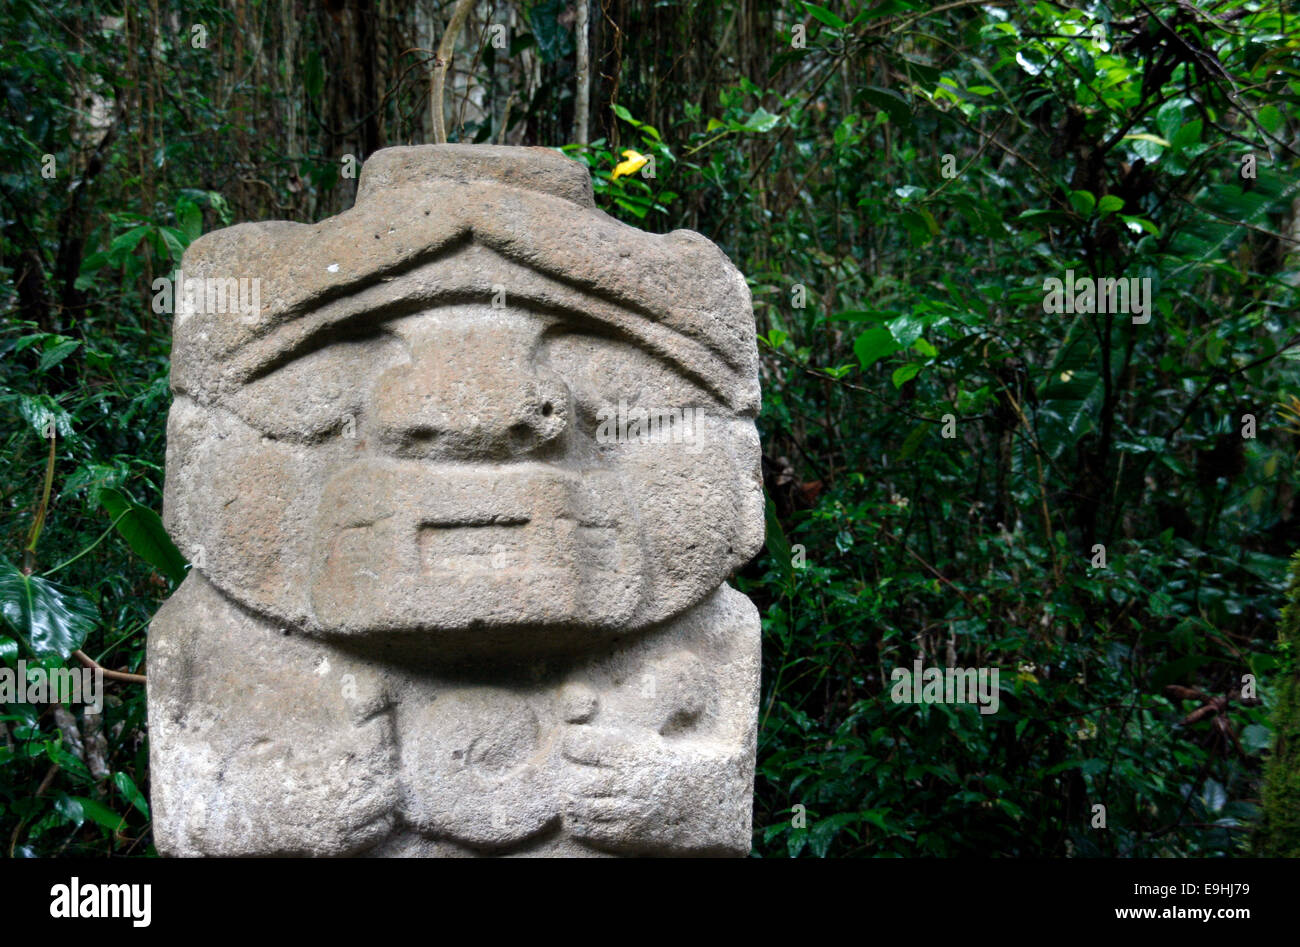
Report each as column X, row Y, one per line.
column 897, row 180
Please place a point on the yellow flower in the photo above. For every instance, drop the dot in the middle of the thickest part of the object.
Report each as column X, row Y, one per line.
column 634, row 163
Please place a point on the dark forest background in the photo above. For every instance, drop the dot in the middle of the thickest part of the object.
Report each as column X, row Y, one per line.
column 943, row 458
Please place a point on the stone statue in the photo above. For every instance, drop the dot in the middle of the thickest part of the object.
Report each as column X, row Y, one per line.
column 461, row 489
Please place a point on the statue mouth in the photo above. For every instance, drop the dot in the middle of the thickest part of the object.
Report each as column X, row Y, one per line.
column 450, row 549
column 408, row 546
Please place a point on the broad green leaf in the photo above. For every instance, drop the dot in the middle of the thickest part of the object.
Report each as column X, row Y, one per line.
column 905, row 373
column 1170, row 116
column 40, row 410
column 52, row 356
column 1108, row 204
column 126, row 243
column 52, row 620
column 906, row 330
column 100, row 814
column 1083, row 202
column 873, row 345
column 173, row 241
column 1270, row 117
column 143, row 531
column 1187, row 135
column 761, row 121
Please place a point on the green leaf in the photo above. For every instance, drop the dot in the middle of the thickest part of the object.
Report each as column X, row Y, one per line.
column 761, row 121
column 905, row 373
column 8, row 649
column 127, row 787
column 1145, row 136
column 824, row 831
column 918, row 228
column 826, row 16
column 1188, row 134
column 873, row 345
column 1141, row 223
column 1170, row 116
column 126, row 243
column 174, row 242
column 100, row 814
column 1270, row 118
column 39, row 410
column 143, row 531
column 1256, row 737
column 1108, row 204
column 70, row 809
column 52, row 356
column 890, row 102
column 1083, row 202
column 795, row 842
column 906, row 330
column 51, row 620
column 190, row 218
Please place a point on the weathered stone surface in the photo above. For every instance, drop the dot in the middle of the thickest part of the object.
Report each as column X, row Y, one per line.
column 462, row 489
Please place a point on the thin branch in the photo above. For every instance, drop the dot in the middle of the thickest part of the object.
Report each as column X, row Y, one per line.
column 122, row 676
column 445, row 50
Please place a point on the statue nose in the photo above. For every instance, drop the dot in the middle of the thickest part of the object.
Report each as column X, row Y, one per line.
column 474, row 396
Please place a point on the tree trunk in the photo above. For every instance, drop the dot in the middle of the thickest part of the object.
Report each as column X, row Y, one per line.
column 582, row 95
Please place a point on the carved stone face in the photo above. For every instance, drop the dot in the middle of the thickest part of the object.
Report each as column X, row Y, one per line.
column 521, row 426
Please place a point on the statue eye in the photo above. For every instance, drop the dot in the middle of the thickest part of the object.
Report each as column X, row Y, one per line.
column 319, row 393
column 602, row 372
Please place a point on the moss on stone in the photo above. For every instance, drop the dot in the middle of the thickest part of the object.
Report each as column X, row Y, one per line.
column 1279, row 829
